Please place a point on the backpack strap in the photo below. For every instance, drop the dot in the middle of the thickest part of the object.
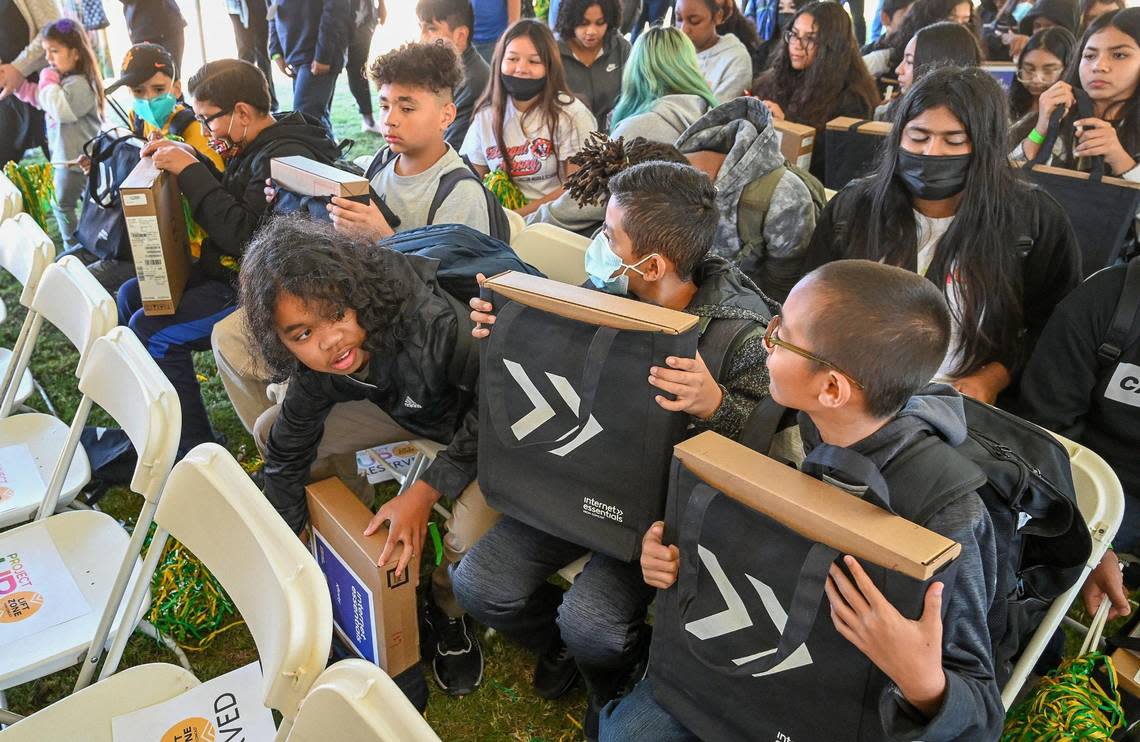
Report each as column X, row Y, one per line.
column 497, row 224
column 463, row 369
column 933, row 475
column 1124, row 330
column 380, row 161
column 760, row 428
column 717, row 341
column 181, row 121
column 752, row 210
column 447, row 183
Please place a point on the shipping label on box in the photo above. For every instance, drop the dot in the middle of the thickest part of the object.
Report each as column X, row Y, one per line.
column 374, row 608
column 156, row 227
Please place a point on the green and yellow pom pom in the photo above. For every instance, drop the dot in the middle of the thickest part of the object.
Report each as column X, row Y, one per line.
column 500, row 184
column 36, row 188
column 188, row 604
column 542, row 9
column 1069, row 703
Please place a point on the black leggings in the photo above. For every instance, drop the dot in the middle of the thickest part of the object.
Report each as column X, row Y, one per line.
column 357, row 60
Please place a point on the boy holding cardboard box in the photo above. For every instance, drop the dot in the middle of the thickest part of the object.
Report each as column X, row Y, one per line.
column 855, row 344
column 660, row 223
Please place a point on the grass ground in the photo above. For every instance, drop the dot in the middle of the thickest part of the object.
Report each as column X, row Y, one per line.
column 504, row 708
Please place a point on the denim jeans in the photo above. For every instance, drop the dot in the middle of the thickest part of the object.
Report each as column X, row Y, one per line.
column 312, row 94
column 502, row 583
column 639, row 716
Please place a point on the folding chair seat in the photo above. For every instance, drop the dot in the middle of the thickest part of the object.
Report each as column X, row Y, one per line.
column 356, row 700
column 11, row 202
column 95, row 551
column 1101, row 502
column 557, row 252
column 69, row 298
column 25, row 252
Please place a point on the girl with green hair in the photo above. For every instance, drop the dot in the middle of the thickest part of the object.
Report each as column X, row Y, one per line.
column 663, row 90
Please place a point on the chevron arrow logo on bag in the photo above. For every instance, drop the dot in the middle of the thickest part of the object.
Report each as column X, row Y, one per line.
column 543, row 411
column 735, row 616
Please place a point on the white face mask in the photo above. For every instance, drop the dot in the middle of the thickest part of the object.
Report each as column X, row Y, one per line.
column 602, row 263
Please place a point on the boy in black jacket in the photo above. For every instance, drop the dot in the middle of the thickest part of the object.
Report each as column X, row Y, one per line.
column 231, row 101
column 853, row 349
column 660, row 223
column 452, row 20
column 308, row 41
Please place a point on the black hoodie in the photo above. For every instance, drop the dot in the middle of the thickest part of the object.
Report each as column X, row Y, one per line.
column 229, row 206
column 1061, row 12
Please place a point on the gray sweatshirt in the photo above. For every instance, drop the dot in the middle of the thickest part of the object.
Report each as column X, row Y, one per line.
column 664, row 122
column 72, row 110
column 727, row 66
column 742, row 131
column 971, row 708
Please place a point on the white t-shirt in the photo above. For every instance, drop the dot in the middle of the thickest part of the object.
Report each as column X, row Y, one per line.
column 534, row 167
column 410, row 196
column 930, row 231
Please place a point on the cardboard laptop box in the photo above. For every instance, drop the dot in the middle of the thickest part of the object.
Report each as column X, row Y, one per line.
column 797, row 142
column 816, row 510
column 374, row 609
column 307, row 177
column 156, row 226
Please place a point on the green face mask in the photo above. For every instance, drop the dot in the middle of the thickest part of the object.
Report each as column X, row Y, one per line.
column 155, row 111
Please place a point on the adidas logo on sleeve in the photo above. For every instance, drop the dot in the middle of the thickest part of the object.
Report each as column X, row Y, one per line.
column 412, row 404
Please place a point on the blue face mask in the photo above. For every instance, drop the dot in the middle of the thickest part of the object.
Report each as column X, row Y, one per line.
column 155, row 111
column 602, row 262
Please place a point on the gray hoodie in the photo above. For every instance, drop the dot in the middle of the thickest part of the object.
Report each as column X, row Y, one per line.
column 971, row 708
column 727, row 66
column 664, row 122
column 741, row 130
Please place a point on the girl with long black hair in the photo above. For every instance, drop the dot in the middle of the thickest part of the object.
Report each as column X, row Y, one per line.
column 818, row 73
column 1041, row 64
column 944, row 201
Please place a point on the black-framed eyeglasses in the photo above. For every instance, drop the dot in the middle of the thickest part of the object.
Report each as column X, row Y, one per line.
column 206, row 120
column 772, row 339
column 806, row 42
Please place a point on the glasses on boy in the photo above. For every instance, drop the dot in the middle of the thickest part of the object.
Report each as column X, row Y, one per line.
column 772, row 339
column 205, row 121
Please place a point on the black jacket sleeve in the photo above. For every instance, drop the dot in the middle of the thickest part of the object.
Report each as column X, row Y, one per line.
column 455, row 467
column 332, row 36
column 1049, row 273
column 230, row 222
column 823, row 247
column 292, row 446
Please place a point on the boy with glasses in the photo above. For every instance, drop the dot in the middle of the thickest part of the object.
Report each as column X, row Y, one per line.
column 231, row 104
column 853, row 350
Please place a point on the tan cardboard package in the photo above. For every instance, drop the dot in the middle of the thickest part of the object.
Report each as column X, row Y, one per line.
column 156, row 226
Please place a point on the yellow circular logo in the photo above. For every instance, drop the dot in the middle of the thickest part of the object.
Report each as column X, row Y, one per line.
column 192, row 729
column 18, row 606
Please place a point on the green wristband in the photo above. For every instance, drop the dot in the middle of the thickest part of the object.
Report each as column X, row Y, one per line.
column 1036, row 137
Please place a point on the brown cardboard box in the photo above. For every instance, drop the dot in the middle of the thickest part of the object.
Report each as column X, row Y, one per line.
column 816, row 510
column 797, row 141
column 307, row 177
column 374, row 609
column 587, row 305
column 156, row 226
column 1127, row 665
column 875, row 128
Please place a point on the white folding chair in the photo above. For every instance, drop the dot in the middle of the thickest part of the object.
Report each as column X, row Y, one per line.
column 87, row 715
column 356, row 700
column 69, row 298
column 1101, row 502
column 558, row 253
column 25, row 252
column 11, row 202
column 216, row 511
column 517, row 222
column 122, row 378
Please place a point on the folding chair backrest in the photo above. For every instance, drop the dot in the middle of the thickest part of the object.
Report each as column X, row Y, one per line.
column 11, row 202
column 216, row 511
column 356, row 700
column 1099, row 494
column 72, row 299
column 25, row 251
column 557, row 252
column 122, row 378
column 517, row 222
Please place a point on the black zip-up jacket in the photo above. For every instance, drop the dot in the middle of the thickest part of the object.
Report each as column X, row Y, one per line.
column 599, row 85
column 1065, row 389
column 1050, row 256
column 410, row 384
column 230, row 206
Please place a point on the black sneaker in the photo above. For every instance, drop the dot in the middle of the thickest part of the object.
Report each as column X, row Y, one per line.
column 592, row 720
column 456, row 658
column 556, row 672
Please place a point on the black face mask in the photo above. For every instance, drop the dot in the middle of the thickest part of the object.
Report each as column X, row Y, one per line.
column 523, row 88
column 932, row 177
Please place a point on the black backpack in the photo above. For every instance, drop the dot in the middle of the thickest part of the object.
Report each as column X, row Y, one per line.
column 1124, row 330
column 498, row 225
column 102, row 228
column 462, row 254
column 1042, row 540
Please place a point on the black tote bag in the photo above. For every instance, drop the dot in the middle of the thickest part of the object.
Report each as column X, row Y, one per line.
column 571, row 440
column 852, row 145
column 1102, row 209
column 743, row 644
